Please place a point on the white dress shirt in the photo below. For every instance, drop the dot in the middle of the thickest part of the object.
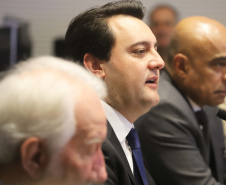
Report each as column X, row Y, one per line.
column 195, row 108
column 121, row 127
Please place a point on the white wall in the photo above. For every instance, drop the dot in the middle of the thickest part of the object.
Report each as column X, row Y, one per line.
column 49, row 18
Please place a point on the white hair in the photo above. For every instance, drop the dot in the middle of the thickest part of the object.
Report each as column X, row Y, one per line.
column 38, row 98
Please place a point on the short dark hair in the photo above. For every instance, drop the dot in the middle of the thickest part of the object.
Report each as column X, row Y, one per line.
column 172, row 50
column 175, row 48
column 89, row 32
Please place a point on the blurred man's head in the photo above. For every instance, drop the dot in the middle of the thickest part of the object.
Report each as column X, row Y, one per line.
column 197, row 60
column 163, row 18
column 115, row 44
column 51, row 124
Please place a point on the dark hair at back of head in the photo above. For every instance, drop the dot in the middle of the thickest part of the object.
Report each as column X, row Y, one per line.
column 89, row 31
column 175, row 48
column 172, row 49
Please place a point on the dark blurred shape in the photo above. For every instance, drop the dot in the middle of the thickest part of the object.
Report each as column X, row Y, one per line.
column 221, row 114
column 4, row 48
column 59, row 47
column 15, row 42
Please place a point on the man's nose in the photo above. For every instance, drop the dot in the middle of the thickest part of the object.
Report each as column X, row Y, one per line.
column 156, row 62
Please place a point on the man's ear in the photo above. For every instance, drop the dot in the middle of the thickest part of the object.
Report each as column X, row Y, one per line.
column 94, row 65
column 34, row 156
column 181, row 65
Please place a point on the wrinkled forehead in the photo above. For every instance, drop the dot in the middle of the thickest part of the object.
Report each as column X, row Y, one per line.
column 91, row 123
column 89, row 111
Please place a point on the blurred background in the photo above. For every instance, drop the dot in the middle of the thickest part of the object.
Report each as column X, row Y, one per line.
column 33, row 28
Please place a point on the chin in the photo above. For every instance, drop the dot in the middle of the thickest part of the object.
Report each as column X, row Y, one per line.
column 155, row 101
column 215, row 103
column 149, row 104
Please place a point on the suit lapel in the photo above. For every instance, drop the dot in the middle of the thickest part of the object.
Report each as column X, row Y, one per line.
column 167, row 83
column 217, row 139
column 214, row 124
column 115, row 142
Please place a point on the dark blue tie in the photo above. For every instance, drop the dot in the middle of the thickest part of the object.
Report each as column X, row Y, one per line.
column 138, row 164
column 203, row 123
column 202, row 120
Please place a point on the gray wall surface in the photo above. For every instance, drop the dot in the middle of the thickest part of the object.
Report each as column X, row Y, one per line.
column 49, row 19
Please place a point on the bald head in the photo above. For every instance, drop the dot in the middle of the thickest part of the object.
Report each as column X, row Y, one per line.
column 196, row 36
column 197, row 59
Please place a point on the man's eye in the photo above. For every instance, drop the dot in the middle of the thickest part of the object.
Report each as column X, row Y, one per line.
column 140, row 52
column 221, row 64
column 218, row 64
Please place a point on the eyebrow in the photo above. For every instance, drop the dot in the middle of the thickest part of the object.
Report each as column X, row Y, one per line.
column 93, row 141
column 219, row 58
column 144, row 43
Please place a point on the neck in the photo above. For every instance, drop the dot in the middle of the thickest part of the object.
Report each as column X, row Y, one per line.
column 185, row 90
column 128, row 112
column 128, row 115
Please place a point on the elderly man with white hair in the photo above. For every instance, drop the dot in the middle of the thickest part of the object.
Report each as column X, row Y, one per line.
column 52, row 124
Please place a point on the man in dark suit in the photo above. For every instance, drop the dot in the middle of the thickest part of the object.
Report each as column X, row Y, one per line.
column 115, row 44
column 180, row 147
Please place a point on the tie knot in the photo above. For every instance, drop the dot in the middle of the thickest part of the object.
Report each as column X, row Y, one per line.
column 133, row 139
column 201, row 117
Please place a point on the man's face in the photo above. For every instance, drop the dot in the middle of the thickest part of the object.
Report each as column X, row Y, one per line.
column 132, row 73
column 162, row 24
column 82, row 158
column 206, row 79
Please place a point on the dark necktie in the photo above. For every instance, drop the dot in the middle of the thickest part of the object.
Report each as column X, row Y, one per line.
column 138, row 164
column 203, row 122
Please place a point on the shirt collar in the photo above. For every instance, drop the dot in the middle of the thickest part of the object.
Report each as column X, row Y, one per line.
column 119, row 123
column 194, row 106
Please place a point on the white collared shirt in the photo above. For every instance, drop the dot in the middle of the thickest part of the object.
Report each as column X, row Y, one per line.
column 194, row 106
column 121, row 127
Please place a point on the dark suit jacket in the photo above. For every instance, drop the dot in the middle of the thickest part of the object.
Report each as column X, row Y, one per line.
column 173, row 145
column 118, row 169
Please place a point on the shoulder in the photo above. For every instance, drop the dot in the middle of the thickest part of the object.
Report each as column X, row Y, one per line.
column 171, row 118
column 116, row 162
column 117, row 175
